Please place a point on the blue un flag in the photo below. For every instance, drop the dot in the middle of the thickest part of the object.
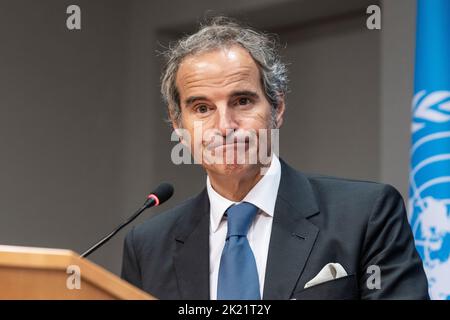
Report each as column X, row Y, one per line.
column 429, row 204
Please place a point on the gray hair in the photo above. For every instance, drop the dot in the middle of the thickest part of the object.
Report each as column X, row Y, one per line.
column 222, row 32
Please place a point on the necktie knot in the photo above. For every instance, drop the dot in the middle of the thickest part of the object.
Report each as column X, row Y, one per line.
column 240, row 217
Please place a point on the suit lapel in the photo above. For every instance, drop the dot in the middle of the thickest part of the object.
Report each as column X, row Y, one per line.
column 191, row 257
column 292, row 237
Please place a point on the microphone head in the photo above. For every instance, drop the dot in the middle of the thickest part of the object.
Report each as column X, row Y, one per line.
column 163, row 192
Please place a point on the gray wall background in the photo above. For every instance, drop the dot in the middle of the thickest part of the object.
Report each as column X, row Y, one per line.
column 82, row 135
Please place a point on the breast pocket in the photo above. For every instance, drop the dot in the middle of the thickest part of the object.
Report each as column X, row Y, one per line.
column 345, row 288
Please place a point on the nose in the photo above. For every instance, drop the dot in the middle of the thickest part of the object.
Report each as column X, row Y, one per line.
column 226, row 120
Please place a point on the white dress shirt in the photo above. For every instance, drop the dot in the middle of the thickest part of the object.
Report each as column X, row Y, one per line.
column 263, row 195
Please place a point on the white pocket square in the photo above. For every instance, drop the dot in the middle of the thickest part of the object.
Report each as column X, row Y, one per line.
column 331, row 271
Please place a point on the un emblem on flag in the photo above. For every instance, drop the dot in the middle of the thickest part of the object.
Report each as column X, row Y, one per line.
column 429, row 204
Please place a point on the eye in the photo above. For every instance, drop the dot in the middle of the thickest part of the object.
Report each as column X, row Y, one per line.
column 244, row 101
column 203, row 108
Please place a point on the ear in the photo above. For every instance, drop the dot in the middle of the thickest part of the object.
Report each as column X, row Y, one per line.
column 176, row 126
column 174, row 123
column 172, row 118
column 281, row 107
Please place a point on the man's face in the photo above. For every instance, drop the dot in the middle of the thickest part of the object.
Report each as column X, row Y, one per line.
column 222, row 99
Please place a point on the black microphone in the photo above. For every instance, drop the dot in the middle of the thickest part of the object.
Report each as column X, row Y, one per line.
column 161, row 194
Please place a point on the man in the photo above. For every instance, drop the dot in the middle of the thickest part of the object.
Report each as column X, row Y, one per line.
column 262, row 230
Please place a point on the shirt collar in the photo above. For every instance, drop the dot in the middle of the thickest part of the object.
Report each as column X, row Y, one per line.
column 263, row 194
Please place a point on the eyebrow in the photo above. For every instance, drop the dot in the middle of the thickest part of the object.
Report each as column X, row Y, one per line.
column 234, row 94
column 192, row 99
column 247, row 93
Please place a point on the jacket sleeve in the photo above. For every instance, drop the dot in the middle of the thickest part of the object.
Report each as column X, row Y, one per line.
column 389, row 248
column 130, row 265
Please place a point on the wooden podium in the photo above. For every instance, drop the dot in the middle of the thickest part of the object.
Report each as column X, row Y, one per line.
column 55, row 274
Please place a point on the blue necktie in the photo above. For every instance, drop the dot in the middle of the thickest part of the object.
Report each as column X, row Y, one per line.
column 238, row 276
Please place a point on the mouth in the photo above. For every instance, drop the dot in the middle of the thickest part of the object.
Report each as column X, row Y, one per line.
column 228, row 144
column 236, row 145
column 228, row 153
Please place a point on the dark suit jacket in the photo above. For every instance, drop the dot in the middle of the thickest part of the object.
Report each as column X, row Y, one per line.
column 317, row 220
